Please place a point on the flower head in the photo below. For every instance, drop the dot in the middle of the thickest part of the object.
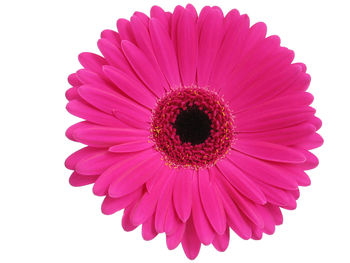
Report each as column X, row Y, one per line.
column 194, row 125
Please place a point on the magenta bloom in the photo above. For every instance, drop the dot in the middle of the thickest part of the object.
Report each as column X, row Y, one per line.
column 194, row 124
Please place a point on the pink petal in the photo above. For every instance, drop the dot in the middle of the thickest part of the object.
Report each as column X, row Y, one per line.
column 211, row 202
column 72, row 94
column 251, row 68
column 221, row 242
column 275, row 195
column 285, row 136
column 172, row 222
column 240, row 181
column 126, row 118
column 74, row 80
column 126, row 221
column 143, row 40
column 159, row 14
column 297, row 172
column 142, row 67
column 245, row 205
column 257, row 233
column 270, row 174
column 311, row 160
column 257, row 33
column 190, row 242
column 174, row 21
column 124, row 30
column 148, row 230
column 258, row 48
column 165, row 52
column 99, row 162
column 203, row 228
column 136, row 176
column 169, row 17
column 234, row 216
column 81, row 180
column 257, row 89
column 134, row 89
column 311, row 142
column 250, row 85
column 114, row 55
column 148, row 203
column 253, row 64
column 286, row 101
column 80, row 155
column 118, row 169
column 209, row 42
column 86, row 112
column 112, row 36
column 175, row 238
column 70, row 131
column 292, row 204
column 274, row 119
column 295, row 193
column 230, row 50
column 276, row 213
column 92, row 62
column 302, row 66
column 89, row 77
column 217, row 8
column 165, row 199
column 202, row 16
column 130, row 147
column 142, row 17
column 269, row 151
column 192, row 10
column 164, row 169
column 182, row 195
column 302, row 178
column 187, row 47
column 101, row 137
column 111, row 205
column 110, row 102
column 316, row 122
column 302, row 82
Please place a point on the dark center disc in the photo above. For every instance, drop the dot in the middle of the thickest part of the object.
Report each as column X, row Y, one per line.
column 193, row 125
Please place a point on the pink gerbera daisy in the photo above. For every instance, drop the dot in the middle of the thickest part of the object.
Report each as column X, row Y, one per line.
column 193, row 125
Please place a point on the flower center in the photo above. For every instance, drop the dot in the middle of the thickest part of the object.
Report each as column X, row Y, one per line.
column 192, row 127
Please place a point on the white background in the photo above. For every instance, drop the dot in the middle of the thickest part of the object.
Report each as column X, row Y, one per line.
column 44, row 219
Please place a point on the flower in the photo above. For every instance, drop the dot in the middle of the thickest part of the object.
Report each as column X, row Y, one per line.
column 194, row 125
